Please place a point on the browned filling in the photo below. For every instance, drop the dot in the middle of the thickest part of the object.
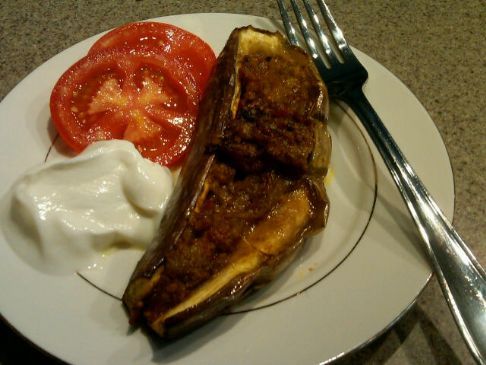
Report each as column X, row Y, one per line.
column 264, row 152
column 272, row 128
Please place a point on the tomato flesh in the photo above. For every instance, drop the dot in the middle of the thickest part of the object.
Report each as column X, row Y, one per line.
column 194, row 54
column 139, row 96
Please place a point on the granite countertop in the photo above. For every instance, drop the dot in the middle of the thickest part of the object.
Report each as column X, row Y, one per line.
column 437, row 49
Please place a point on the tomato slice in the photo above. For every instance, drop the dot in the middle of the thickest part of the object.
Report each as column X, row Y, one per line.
column 140, row 96
column 175, row 43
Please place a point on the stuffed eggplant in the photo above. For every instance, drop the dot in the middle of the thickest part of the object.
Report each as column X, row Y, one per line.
column 250, row 192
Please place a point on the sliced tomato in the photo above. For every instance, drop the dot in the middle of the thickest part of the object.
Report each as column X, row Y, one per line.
column 140, row 96
column 175, row 43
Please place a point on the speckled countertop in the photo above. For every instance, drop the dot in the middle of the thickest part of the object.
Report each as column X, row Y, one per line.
column 437, row 48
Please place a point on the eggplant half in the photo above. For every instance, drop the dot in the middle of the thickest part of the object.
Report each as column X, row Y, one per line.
column 250, row 192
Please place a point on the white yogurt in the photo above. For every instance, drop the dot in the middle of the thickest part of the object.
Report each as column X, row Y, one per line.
column 63, row 215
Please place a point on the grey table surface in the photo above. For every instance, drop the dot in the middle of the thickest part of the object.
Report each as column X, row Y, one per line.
column 437, row 48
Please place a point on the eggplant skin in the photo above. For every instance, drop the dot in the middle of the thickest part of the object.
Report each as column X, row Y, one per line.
column 242, row 205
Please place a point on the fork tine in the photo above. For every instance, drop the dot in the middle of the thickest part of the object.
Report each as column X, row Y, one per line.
column 289, row 28
column 320, row 33
column 311, row 45
column 336, row 32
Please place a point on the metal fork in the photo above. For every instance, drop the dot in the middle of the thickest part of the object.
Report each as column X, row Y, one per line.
column 462, row 279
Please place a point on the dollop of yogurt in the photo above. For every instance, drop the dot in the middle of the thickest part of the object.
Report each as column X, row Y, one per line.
column 63, row 214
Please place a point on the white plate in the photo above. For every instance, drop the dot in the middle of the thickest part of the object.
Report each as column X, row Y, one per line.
column 347, row 286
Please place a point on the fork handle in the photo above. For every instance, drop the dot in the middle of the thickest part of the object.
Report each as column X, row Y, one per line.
column 460, row 275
